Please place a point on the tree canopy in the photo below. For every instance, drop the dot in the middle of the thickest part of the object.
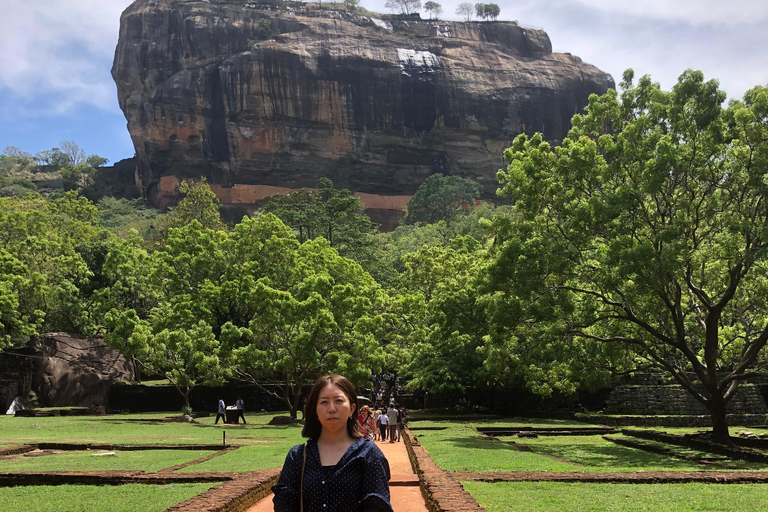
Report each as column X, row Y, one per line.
column 487, row 11
column 434, row 9
column 646, row 231
column 442, row 198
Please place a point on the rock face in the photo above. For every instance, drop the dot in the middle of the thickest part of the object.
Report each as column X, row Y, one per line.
column 254, row 98
column 76, row 371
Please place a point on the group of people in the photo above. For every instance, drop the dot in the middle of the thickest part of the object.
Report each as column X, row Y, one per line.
column 221, row 411
column 378, row 426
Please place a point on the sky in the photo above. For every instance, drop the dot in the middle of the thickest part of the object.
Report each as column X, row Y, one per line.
column 56, row 56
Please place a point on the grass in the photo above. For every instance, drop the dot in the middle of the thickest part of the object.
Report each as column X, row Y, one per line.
column 262, row 446
column 81, row 498
column 461, row 448
column 149, row 461
column 571, row 497
column 114, row 429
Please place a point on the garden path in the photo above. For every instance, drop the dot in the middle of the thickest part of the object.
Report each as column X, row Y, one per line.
column 404, row 490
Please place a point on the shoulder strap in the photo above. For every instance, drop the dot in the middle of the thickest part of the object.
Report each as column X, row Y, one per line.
column 301, row 489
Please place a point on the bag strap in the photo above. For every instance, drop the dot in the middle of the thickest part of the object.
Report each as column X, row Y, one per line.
column 301, row 490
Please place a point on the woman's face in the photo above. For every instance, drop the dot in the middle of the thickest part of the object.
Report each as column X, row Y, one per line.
column 334, row 408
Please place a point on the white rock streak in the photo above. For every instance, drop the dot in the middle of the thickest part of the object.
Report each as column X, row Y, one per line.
column 422, row 61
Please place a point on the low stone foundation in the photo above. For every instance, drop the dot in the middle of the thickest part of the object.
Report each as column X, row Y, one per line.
column 745, row 420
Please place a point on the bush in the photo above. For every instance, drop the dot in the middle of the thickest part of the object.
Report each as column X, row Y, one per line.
column 23, row 183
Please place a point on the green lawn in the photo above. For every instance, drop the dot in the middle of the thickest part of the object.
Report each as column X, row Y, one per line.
column 149, row 461
column 262, row 446
column 123, row 429
column 591, row 497
column 461, row 448
column 87, row 498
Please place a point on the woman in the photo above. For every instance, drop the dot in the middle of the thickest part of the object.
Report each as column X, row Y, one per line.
column 366, row 423
column 376, row 425
column 342, row 471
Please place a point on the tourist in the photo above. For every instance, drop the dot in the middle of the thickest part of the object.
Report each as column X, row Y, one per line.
column 366, row 422
column 336, row 470
column 383, row 426
column 392, row 422
column 239, row 407
column 376, row 425
column 400, row 420
column 220, row 413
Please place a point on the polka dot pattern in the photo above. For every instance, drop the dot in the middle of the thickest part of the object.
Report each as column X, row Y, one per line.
column 358, row 482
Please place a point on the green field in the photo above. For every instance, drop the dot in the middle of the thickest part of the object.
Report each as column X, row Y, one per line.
column 86, row 498
column 456, row 448
column 591, row 497
column 262, row 446
column 144, row 460
column 461, row 448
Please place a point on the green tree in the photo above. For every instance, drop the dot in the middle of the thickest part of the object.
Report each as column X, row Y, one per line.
column 120, row 216
column 646, row 230
column 446, row 335
column 199, row 203
column 50, row 256
column 434, row 9
column 252, row 304
column 441, row 198
column 328, row 212
column 319, row 321
column 487, row 11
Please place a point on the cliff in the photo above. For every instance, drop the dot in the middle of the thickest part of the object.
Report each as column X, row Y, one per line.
column 260, row 100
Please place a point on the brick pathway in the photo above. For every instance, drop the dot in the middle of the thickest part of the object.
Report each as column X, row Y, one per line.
column 404, row 490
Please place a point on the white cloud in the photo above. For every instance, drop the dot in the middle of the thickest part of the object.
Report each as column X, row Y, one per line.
column 56, row 54
column 695, row 12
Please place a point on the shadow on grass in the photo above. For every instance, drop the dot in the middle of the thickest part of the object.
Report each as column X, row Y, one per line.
column 609, row 455
column 588, row 453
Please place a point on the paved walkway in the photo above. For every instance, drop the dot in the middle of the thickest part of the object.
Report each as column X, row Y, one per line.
column 404, row 490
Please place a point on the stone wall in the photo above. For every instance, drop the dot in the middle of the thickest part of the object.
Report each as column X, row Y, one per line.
column 674, row 400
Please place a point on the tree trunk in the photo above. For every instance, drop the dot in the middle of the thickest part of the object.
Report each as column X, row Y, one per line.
column 719, row 424
column 136, row 370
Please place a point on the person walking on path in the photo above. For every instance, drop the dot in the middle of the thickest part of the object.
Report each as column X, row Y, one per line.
column 239, row 406
column 392, row 421
column 220, row 413
column 376, row 425
column 336, row 470
column 383, row 425
column 400, row 420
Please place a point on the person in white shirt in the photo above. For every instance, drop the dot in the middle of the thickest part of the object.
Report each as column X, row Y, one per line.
column 384, row 423
column 221, row 412
column 239, row 406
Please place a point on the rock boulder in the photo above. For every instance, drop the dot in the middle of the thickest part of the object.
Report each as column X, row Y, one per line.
column 76, row 371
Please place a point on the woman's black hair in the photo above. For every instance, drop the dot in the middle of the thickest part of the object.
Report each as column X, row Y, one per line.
column 312, row 425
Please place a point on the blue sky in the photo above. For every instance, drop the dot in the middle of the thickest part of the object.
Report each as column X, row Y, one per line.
column 56, row 55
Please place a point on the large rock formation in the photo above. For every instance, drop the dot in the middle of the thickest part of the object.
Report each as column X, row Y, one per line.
column 76, row 371
column 259, row 100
